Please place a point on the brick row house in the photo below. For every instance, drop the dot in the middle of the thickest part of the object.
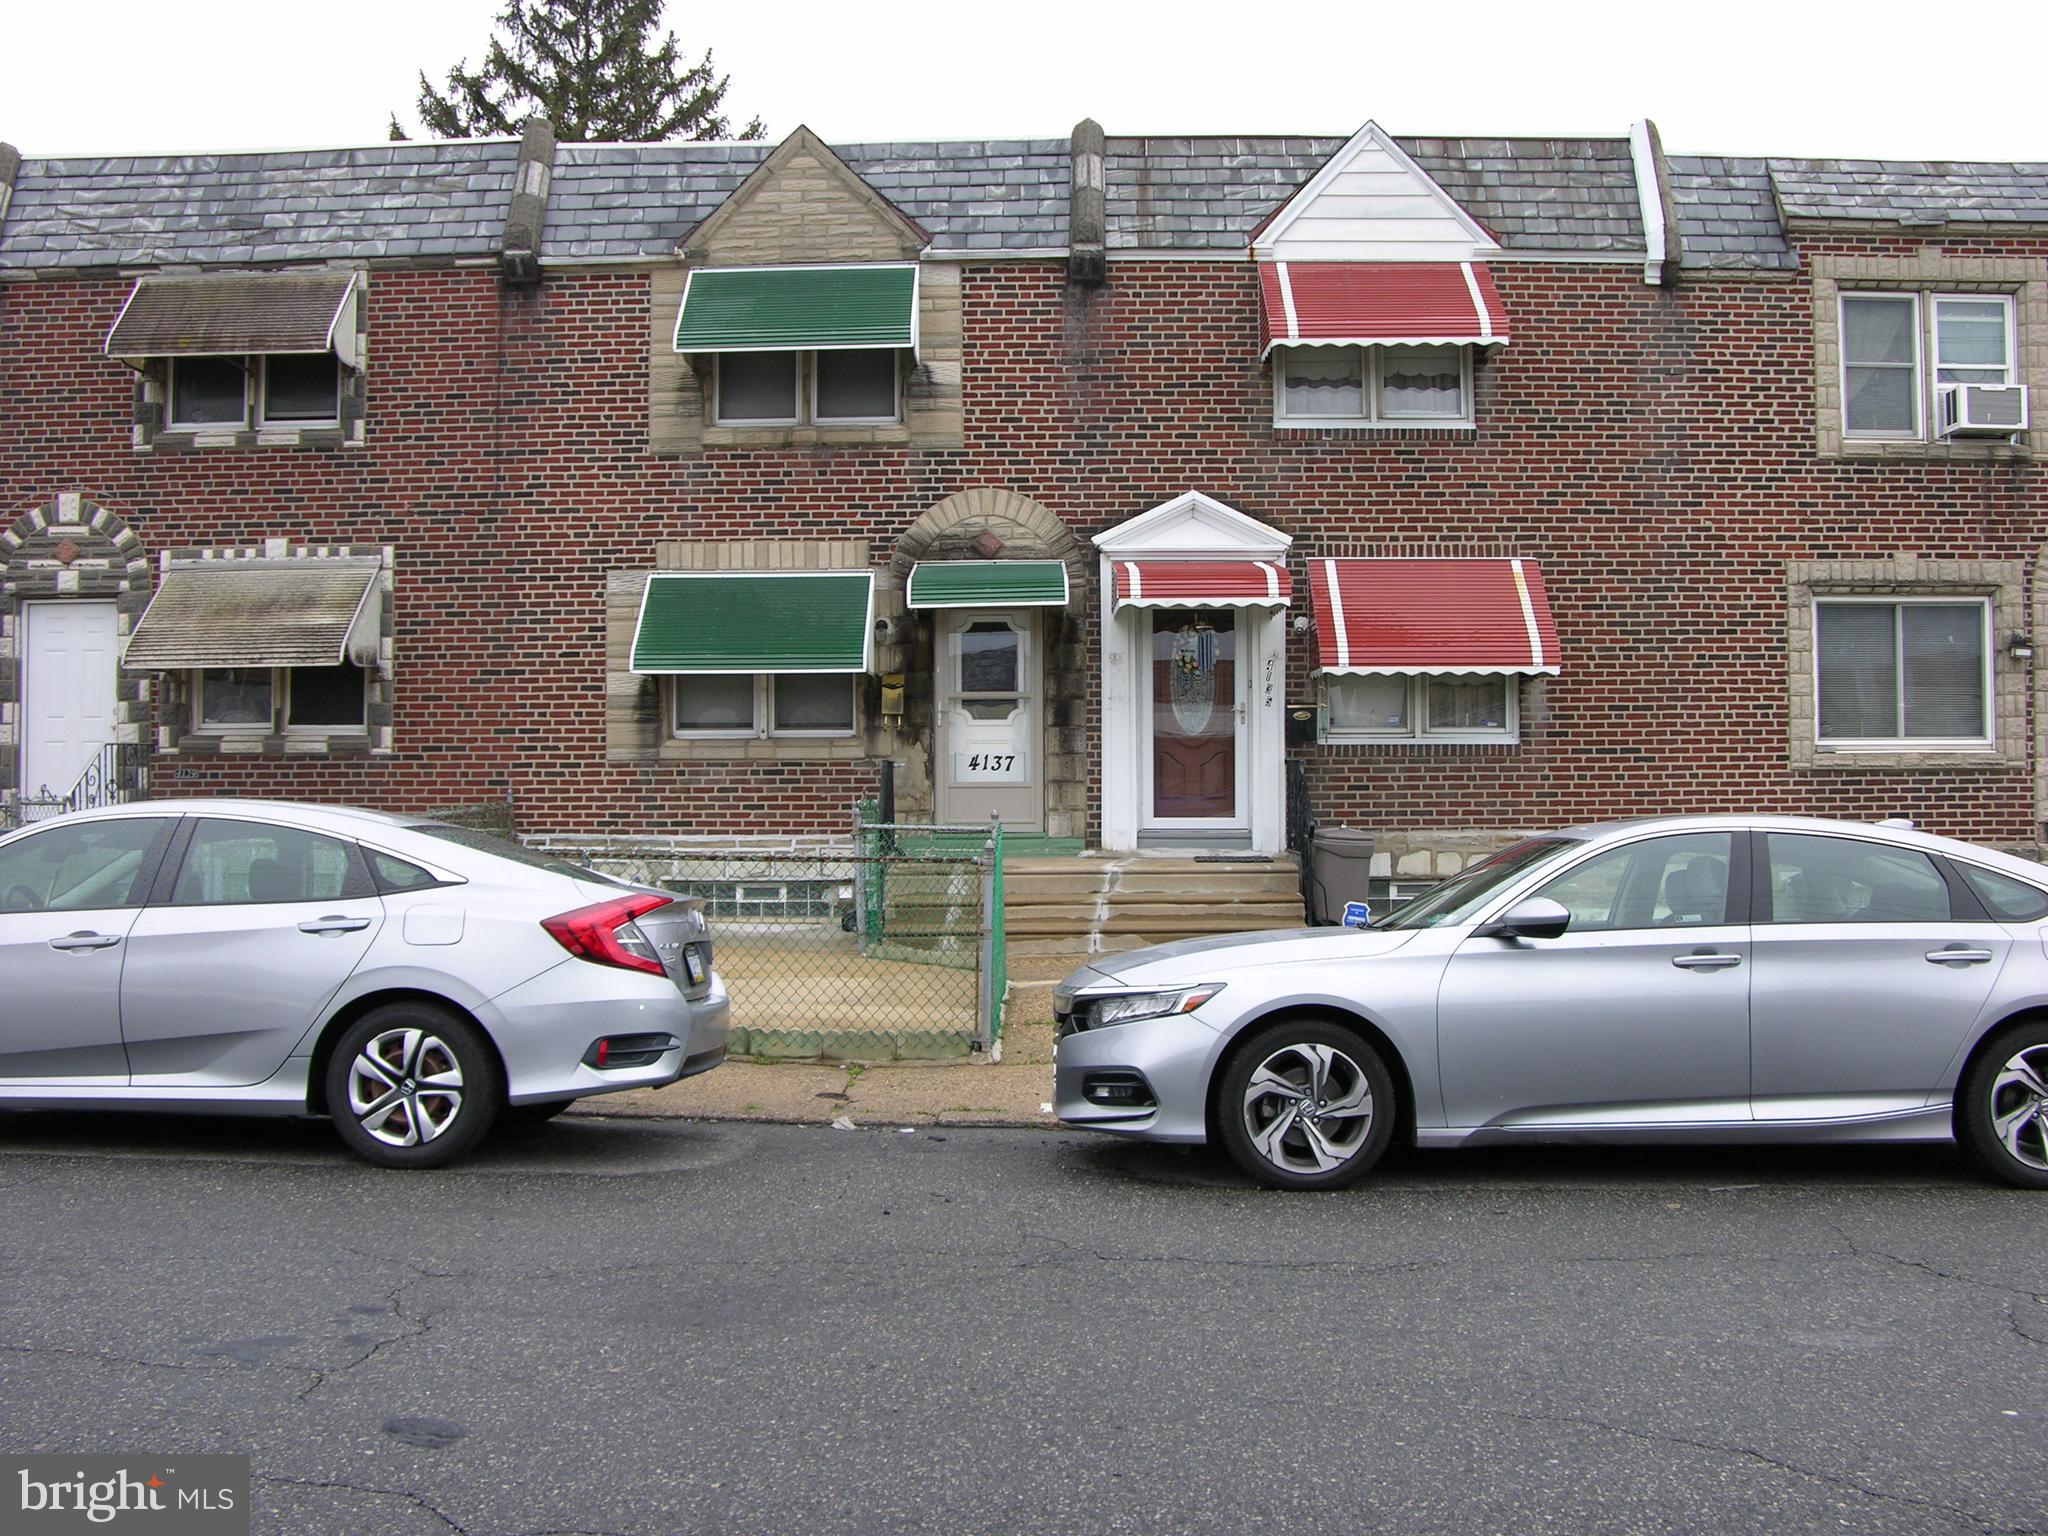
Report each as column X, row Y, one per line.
column 671, row 489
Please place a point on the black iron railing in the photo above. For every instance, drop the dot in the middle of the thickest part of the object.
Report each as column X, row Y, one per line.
column 1301, row 831
column 117, row 774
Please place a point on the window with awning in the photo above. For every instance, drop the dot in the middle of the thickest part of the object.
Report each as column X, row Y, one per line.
column 1201, row 584
column 736, row 622
column 988, row 584
column 1380, row 304
column 259, row 614
column 798, row 309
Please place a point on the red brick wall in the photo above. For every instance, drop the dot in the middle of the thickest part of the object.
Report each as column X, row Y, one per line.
column 1653, row 448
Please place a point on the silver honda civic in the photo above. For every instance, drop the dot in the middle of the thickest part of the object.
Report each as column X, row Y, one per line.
column 411, row 980
column 1710, row 979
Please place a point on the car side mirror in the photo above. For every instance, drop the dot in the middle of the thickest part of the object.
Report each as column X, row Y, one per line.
column 1537, row 917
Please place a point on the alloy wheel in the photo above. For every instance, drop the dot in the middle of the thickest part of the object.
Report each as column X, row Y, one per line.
column 405, row 1087
column 2019, row 1106
column 1308, row 1108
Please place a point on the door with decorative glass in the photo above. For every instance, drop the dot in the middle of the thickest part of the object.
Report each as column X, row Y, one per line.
column 1194, row 720
column 989, row 757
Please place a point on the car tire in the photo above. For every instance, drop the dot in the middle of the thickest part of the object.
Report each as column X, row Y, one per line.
column 1312, row 1061
column 412, row 1086
column 2001, row 1114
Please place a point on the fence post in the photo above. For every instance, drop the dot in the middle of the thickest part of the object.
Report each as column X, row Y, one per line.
column 994, row 967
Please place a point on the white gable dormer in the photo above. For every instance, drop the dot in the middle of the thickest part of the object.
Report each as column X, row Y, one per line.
column 1190, row 526
column 1372, row 202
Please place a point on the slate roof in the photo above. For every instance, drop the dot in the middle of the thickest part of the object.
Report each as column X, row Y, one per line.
column 639, row 200
column 1727, row 216
column 441, row 200
column 1912, row 192
column 1212, row 193
column 425, row 200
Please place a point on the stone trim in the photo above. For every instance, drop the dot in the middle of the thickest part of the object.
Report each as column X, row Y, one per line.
column 149, row 434
column 176, row 737
column 2022, row 278
column 68, row 547
column 2003, row 581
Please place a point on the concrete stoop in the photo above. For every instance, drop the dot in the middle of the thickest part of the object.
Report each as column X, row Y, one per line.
column 1100, row 904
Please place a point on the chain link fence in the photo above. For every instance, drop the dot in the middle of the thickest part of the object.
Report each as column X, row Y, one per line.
column 888, row 949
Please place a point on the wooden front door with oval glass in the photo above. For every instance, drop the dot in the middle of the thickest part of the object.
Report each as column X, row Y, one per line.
column 1194, row 721
column 990, row 731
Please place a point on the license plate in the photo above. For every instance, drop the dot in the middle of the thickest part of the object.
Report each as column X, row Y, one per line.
column 693, row 965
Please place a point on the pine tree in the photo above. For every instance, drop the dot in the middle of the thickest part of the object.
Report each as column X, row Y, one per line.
column 592, row 68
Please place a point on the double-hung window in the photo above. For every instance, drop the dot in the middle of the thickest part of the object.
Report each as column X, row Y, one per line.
column 1902, row 674
column 317, row 700
column 236, row 393
column 837, row 388
column 1392, row 708
column 743, row 705
column 1893, row 342
column 1388, row 386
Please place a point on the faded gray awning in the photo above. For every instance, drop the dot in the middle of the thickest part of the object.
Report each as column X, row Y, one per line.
column 259, row 613
column 237, row 314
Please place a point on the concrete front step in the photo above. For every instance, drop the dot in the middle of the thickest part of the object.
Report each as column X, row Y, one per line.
column 1056, row 909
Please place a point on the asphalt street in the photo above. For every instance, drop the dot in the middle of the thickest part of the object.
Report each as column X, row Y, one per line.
column 667, row 1326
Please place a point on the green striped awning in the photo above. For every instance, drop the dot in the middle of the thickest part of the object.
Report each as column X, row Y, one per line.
column 784, row 309
column 988, row 584
column 755, row 621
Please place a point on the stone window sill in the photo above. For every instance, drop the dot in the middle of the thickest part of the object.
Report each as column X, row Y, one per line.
column 188, row 441
column 1826, row 759
column 260, row 744
column 886, row 434
column 774, row 749
column 1973, row 452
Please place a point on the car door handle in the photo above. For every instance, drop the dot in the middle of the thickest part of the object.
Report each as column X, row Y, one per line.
column 1705, row 960
column 83, row 940
column 334, row 925
column 1955, row 954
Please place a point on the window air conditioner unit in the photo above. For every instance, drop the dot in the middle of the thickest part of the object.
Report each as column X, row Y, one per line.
column 1980, row 410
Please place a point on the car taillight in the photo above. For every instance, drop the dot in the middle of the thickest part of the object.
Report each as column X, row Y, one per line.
column 607, row 934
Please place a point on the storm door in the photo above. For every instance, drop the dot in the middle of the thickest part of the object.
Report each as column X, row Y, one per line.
column 1193, row 718
column 989, row 758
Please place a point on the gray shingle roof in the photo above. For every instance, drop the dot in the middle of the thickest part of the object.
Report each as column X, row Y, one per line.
column 1726, row 214
column 443, row 200
column 428, row 200
column 639, row 200
column 1912, row 192
column 1211, row 194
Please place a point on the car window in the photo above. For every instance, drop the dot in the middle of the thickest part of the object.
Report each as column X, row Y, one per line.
column 394, row 874
column 232, row 862
column 1462, row 895
column 2013, row 900
column 1661, row 882
column 78, row 867
column 1846, row 880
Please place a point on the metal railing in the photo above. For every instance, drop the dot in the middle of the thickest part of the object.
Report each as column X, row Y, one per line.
column 117, row 774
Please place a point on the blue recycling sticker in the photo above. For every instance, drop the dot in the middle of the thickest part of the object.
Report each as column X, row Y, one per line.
column 1357, row 914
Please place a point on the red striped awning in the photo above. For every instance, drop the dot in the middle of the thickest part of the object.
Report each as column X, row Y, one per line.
column 1374, row 304
column 1410, row 616
column 1202, row 584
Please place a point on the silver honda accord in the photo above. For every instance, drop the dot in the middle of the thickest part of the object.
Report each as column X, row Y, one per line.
column 412, row 980
column 1710, row 979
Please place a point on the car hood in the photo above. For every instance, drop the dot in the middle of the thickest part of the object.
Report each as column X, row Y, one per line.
column 1211, row 959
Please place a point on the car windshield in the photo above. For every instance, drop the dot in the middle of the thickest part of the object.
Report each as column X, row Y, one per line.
column 1462, row 895
column 505, row 848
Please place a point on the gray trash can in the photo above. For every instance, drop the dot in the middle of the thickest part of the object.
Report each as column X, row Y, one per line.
column 1342, row 871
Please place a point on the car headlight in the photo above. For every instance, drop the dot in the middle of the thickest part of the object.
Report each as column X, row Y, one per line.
column 1129, row 1007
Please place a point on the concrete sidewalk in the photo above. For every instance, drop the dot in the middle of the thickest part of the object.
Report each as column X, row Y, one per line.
column 1013, row 1091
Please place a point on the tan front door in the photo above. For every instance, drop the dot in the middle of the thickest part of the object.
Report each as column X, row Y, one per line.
column 990, row 758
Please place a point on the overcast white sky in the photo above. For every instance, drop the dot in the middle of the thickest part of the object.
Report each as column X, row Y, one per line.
column 1872, row 80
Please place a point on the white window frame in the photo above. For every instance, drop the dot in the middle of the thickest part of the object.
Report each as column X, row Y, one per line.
column 763, row 728
column 1984, row 743
column 807, row 395
column 258, row 395
column 1419, row 731
column 1371, row 369
column 812, row 359
column 1926, row 303
column 201, row 727
column 281, row 705
column 173, row 423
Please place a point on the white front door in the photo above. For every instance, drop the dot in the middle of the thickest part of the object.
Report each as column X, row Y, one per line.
column 1192, row 721
column 68, row 654
column 990, row 734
